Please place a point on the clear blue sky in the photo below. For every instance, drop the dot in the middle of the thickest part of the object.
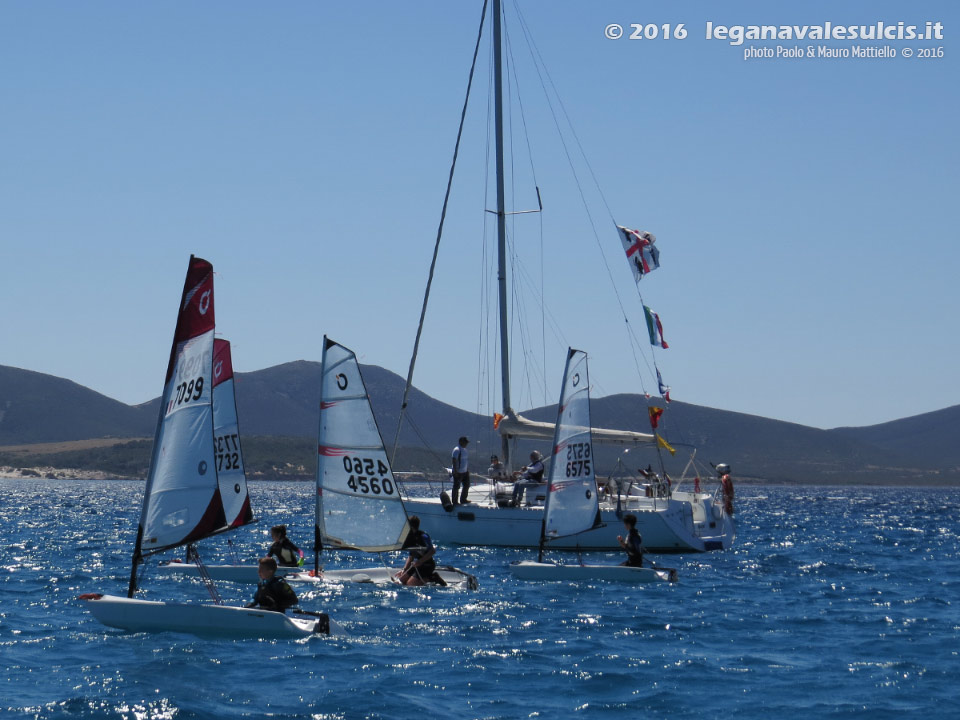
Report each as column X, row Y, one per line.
column 806, row 210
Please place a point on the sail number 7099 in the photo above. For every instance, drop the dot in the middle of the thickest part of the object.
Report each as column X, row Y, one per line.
column 363, row 472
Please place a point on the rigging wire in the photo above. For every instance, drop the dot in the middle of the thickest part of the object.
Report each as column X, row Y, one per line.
column 436, row 247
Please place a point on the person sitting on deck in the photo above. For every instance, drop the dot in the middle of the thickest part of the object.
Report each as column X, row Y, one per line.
column 273, row 593
column 286, row 553
column 496, row 471
column 531, row 476
column 420, row 567
column 633, row 543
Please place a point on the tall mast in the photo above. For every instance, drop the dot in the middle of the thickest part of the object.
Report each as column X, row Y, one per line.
column 501, row 219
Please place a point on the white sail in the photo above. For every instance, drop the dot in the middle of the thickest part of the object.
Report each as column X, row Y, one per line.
column 572, row 505
column 226, row 440
column 358, row 503
column 182, row 500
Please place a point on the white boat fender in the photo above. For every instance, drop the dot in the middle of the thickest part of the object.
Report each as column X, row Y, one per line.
column 446, row 501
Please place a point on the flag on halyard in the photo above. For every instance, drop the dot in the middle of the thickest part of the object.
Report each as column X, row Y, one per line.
column 654, row 328
column 497, row 417
column 663, row 443
column 655, row 413
column 642, row 254
column 664, row 389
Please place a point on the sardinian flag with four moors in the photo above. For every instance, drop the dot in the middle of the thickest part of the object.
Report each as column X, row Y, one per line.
column 642, row 255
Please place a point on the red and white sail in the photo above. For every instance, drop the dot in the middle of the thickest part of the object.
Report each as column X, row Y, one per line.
column 572, row 506
column 358, row 501
column 226, row 439
column 182, row 502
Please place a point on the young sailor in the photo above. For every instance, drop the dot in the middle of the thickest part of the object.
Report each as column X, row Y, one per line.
column 286, row 553
column 633, row 543
column 273, row 593
column 420, row 567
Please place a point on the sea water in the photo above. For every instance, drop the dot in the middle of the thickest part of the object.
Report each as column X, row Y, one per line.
column 835, row 602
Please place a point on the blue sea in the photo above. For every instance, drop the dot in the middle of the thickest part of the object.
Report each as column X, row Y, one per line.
column 835, row 602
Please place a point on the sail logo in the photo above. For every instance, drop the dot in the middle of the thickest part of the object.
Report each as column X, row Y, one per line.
column 342, row 381
column 218, row 369
column 576, row 379
column 204, row 303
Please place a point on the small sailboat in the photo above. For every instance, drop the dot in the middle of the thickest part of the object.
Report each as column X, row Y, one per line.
column 358, row 504
column 195, row 487
column 572, row 506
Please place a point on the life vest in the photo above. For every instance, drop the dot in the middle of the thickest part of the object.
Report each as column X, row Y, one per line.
column 287, row 554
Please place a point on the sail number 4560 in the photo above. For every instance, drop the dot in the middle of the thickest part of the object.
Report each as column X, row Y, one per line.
column 362, row 475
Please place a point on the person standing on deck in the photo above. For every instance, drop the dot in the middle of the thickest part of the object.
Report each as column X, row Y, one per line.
column 461, row 471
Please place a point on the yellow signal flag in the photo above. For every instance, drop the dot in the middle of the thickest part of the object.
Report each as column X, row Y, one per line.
column 663, row 443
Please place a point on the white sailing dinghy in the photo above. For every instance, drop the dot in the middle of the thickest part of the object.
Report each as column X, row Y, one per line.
column 571, row 504
column 358, row 504
column 193, row 489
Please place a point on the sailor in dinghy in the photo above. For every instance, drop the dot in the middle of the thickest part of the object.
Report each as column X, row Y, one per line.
column 358, row 503
column 572, row 506
column 184, row 501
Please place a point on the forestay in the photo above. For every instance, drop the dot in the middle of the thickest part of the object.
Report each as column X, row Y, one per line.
column 572, row 505
column 182, row 499
column 231, row 475
column 358, row 503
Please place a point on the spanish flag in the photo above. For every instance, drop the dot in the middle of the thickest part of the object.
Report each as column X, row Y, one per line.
column 663, row 443
column 655, row 413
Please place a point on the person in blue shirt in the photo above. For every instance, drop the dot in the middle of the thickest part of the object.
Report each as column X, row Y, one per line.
column 633, row 543
column 420, row 567
column 273, row 593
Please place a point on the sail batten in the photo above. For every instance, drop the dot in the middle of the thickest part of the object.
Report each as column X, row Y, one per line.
column 358, row 503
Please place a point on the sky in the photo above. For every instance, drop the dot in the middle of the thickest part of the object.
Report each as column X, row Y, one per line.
column 805, row 208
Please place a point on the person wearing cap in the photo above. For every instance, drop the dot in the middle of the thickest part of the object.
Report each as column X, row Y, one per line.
column 496, row 471
column 461, row 474
column 531, row 476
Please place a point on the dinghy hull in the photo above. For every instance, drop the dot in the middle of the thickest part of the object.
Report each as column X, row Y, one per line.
column 380, row 575
column 527, row 570
column 205, row 620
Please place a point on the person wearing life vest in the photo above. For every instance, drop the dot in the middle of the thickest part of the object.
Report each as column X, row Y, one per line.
column 530, row 477
column 632, row 543
column 273, row 593
column 286, row 553
column 420, row 567
column 723, row 472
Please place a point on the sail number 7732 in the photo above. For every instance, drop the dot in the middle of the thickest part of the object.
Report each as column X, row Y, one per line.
column 364, row 474
column 578, row 459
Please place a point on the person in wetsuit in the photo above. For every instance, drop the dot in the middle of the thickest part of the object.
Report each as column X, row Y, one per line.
column 273, row 593
column 633, row 543
column 286, row 553
column 420, row 567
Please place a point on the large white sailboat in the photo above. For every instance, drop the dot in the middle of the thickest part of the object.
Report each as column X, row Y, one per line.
column 670, row 519
column 571, row 504
column 195, row 486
